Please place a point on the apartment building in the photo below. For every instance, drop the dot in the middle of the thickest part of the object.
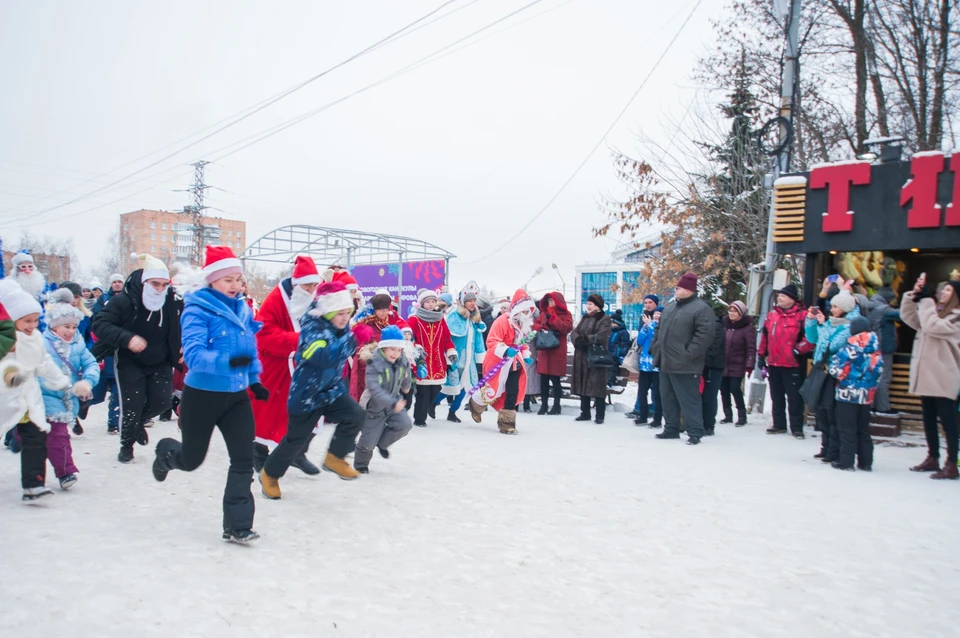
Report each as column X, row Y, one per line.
column 169, row 236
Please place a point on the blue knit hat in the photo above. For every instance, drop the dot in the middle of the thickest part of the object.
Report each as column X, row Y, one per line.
column 391, row 337
column 655, row 299
column 659, row 309
column 447, row 298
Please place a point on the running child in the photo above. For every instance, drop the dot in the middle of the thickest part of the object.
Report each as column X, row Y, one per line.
column 319, row 389
column 66, row 346
column 388, row 379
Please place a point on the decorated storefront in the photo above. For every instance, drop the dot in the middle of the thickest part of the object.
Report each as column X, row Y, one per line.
column 879, row 224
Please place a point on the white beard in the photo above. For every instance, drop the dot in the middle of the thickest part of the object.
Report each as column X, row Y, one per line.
column 153, row 300
column 30, row 350
column 32, row 283
column 523, row 323
column 300, row 300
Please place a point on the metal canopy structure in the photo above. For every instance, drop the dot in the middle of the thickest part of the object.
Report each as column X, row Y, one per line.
column 336, row 246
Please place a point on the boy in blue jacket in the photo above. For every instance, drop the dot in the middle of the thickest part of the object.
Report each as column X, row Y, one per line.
column 318, row 389
column 220, row 350
column 857, row 367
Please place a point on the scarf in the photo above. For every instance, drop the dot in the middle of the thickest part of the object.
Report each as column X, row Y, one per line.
column 153, row 300
column 90, row 303
column 430, row 316
column 838, row 321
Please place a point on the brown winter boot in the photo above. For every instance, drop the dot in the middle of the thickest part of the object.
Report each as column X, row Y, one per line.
column 339, row 467
column 949, row 471
column 269, row 486
column 929, row 464
column 476, row 410
column 507, row 421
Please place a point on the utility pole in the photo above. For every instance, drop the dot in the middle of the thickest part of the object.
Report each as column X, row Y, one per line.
column 195, row 210
column 790, row 11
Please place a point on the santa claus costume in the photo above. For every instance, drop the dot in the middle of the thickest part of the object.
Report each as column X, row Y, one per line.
column 367, row 333
column 277, row 341
column 432, row 337
column 506, row 361
column 31, row 280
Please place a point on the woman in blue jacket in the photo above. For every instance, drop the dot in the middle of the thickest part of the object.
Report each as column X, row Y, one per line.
column 830, row 335
column 649, row 376
column 220, row 351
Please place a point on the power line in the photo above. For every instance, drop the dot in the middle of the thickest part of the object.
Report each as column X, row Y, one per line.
column 270, row 132
column 396, row 35
column 595, row 147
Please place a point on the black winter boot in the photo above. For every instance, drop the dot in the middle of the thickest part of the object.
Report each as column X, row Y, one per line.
column 453, row 418
column 260, row 454
column 302, row 463
column 741, row 420
column 526, row 404
column 544, row 397
column 584, row 409
column 601, row 411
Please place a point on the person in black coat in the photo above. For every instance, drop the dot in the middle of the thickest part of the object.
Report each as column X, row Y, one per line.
column 140, row 327
column 713, row 368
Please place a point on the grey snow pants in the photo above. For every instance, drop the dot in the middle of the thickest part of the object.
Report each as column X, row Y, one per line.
column 380, row 429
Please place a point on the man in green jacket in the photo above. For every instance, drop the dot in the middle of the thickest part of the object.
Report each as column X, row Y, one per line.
column 680, row 349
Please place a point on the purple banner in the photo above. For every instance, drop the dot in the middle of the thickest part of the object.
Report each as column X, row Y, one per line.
column 416, row 276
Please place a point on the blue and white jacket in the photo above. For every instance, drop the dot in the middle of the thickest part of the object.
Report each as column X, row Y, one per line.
column 60, row 405
column 466, row 332
column 322, row 353
column 828, row 337
column 644, row 339
column 857, row 368
column 214, row 329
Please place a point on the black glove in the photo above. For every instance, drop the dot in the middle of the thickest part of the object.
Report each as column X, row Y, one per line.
column 241, row 361
column 762, row 362
column 580, row 343
column 260, row 393
column 923, row 294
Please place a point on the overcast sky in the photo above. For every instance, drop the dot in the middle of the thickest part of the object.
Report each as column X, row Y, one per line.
column 461, row 152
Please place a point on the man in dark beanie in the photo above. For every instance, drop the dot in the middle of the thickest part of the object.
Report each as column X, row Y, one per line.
column 679, row 349
column 782, row 331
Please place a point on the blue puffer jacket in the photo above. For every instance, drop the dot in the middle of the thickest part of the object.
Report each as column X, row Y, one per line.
column 644, row 339
column 829, row 338
column 322, row 354
column 857, row 368
column 60, row 405
column 215, row 329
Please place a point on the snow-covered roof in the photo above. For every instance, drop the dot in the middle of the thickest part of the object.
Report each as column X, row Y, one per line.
column 882, row 140
column 787, row 180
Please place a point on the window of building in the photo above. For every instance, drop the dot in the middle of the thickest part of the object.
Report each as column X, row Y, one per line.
column 124, row 226
column 163, row 249
column 153, row 235
column 601, row 283
column 163, row 237
column 229, row 233
column 163, row 226
column 153, row 224
column 153, row 248
column 238, row 234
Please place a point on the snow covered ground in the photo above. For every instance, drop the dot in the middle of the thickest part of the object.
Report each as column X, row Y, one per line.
column 568, row 529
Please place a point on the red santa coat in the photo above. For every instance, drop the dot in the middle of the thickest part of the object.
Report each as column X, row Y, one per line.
column 367, row 331
column 502, row 335
column 435, row 340
column 277, row 345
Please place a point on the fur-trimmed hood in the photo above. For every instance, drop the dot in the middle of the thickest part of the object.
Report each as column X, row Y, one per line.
column 366, row 352
column 466, row 314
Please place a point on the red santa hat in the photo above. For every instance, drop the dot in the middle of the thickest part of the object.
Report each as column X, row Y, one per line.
column 521, row 303
column 220, row 261
column 305, row 271
column 345, row 278
column 331, row 298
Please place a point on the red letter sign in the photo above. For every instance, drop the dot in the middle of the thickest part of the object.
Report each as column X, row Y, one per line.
column 953, row 208
column 925, row 168
column 838, row 177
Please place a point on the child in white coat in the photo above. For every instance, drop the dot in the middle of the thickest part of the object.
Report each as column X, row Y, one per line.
column 21, row 401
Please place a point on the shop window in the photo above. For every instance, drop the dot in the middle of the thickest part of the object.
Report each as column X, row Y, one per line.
column 632, row 289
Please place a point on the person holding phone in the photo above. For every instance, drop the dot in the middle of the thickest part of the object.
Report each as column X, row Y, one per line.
column 830, row 335
column 935, row 368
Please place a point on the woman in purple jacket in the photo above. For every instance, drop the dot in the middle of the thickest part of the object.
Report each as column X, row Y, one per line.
column 741, row 353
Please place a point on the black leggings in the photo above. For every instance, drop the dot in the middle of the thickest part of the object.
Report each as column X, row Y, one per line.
column 732, row 386
column 200, row 412
column 545, row 381
column 426, row 395
column 946, row 410
column 512, row 391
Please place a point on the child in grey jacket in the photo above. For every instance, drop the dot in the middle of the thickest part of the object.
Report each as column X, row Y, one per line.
column 388, row 377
